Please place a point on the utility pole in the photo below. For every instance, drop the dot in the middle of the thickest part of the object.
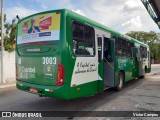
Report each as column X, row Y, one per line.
column 2, row 31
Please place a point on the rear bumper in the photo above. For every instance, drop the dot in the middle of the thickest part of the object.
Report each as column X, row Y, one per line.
column 43, row 90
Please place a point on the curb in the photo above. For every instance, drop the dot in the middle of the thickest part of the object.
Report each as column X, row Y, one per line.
column 4, row 85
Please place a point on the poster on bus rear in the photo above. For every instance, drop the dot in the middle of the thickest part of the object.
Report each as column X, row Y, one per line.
column 42, row 27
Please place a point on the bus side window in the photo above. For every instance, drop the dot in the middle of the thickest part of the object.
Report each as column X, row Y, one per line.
column 83, row 39
column 122, row 51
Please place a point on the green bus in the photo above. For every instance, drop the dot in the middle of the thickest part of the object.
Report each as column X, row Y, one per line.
column 65, row 55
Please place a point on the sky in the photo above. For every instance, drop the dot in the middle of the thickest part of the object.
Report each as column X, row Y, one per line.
column 120, row 15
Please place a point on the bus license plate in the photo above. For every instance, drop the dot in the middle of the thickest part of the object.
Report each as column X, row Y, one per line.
column 33, row 90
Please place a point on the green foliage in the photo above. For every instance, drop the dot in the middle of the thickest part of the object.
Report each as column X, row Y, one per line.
column 9, row 34
column 144, row 37
column 151, row 38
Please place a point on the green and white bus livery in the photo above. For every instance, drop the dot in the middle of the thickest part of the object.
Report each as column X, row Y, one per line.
column 65, row 55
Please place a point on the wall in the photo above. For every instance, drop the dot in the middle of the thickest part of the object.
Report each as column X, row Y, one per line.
column 8, row 67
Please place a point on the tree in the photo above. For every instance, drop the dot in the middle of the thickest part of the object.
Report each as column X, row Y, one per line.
column 9, row 34
column 144, row 37
column 0, row 25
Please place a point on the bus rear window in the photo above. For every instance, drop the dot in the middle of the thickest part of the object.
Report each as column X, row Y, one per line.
column 41, row 27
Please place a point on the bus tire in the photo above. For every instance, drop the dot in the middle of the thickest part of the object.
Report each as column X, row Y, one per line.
column 142, row 76
column 120, row 81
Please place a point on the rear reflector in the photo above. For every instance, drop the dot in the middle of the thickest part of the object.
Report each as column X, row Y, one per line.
column 60, row 75
column 33, row 90
column 51, row 90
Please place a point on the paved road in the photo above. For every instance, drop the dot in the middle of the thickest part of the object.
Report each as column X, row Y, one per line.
column 142, row 94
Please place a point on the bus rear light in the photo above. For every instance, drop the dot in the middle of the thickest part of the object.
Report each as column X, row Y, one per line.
column 60, row 75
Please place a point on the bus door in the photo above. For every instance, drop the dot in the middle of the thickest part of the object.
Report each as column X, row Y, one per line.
column 106, row 62
column 140, row 62
column 136, row 62
column 141, row 66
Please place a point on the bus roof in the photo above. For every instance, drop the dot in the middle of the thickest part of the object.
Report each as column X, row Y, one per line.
column 98, row 25
column 89, row 21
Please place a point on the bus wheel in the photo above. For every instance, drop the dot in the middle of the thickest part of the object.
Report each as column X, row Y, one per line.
column 120, row 81
column 142, row 76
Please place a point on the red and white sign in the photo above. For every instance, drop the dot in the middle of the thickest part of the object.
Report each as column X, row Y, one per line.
column 45, row 22
column 25, row 27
